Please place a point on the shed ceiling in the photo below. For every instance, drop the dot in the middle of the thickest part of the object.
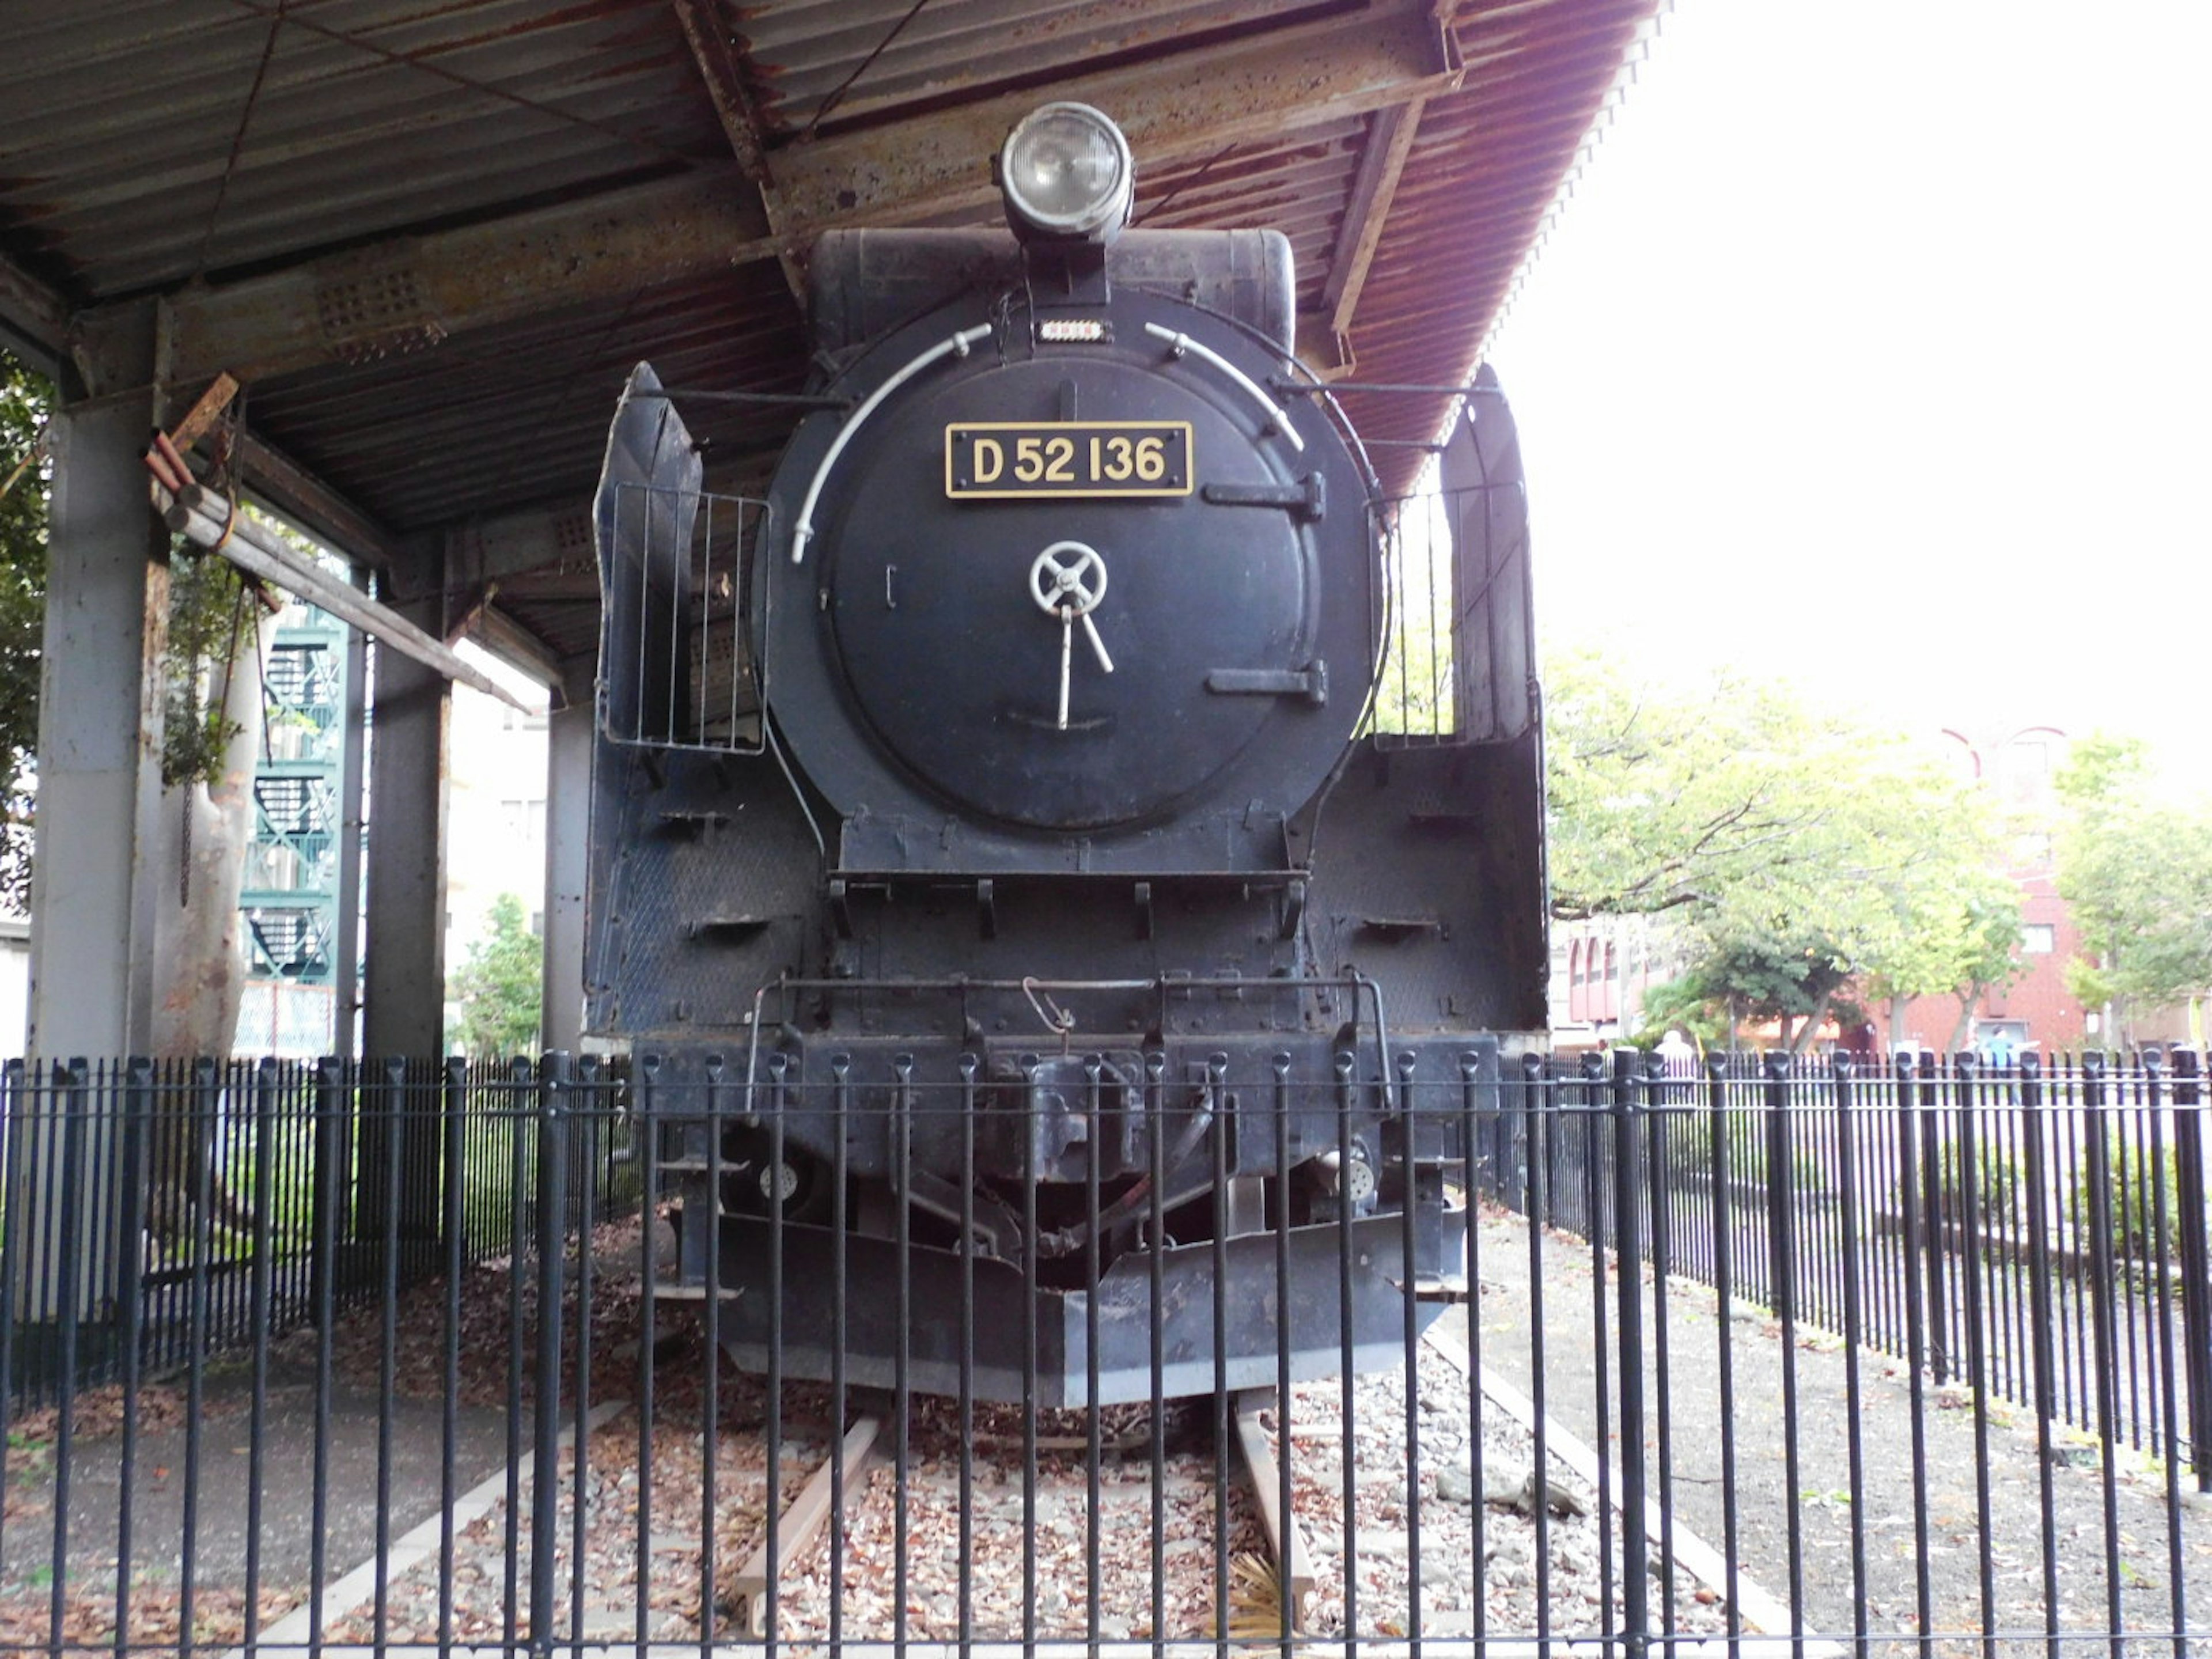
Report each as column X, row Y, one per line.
column 432, row 235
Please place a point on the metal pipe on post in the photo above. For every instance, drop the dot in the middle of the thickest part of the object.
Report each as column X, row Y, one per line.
column 220, row 525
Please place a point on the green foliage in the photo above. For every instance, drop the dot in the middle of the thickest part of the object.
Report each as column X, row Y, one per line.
column 2138, row 869
column 2129, row 1174
column 1998, row 1194
column 498, row 988
column 26, row 402
column 1808, row 852
column 210, row 622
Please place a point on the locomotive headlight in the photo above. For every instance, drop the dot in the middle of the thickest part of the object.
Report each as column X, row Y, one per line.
column 1067, row 172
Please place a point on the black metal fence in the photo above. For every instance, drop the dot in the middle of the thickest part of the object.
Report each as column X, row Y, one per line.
column 308, row 1358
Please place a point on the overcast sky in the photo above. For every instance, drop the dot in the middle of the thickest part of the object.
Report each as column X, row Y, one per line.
column 1872, row 349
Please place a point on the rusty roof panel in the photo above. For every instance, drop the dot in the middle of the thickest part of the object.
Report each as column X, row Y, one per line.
column 519, row 413
column 137, row 151
column 119, row 118
column 1486, row 167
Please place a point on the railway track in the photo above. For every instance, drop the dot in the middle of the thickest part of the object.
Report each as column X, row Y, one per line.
column 1258, row 1582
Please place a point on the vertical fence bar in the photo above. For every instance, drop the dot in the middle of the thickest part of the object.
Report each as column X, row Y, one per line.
column 1847, row 1163
column 1716, row 1122
column 392, row 1097
column 1342, row 1065
column 73, row 1101
column 1628, row 1266
column 204, row 1095
column 969, row 1068
column 841, row 1096
column 545, row 1404
column 1287, row 1609
column 903, row 1321
column 518, row 1115
column 330, row 1096
column 1470, row 1074
column 2193, row 1256
column 264, row 1249
column 136, row 1127
column 2098, row 1152
column 454, row 1109
column 2158, row 1275
column 1594, row 1103
column 2035, row 1154
column 772, row 1502
column 1937, row 1311
column 649, row 1129
column 1974, row 1271
column 1781, row 1237
column 1536, row 1106
column 1155, row 1308
column 1910, row 1138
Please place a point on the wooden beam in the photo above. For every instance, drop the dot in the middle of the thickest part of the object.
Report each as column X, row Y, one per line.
column 1389, row 141
column 1286, row 1539
column 802, row 1523
column 410, row 293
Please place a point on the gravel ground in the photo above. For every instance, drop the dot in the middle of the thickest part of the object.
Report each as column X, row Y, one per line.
column 1385, row 1541
column 1824, row 1506
column 1453, row 1537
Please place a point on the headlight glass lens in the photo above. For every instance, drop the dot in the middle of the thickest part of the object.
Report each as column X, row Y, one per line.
column 1066, row 170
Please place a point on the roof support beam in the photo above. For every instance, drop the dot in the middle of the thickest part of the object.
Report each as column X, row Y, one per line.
column 410, row 293
column 1389, row 141
column 32, row 310
column 292, row 492
column 1385, row 53
column 733, row 108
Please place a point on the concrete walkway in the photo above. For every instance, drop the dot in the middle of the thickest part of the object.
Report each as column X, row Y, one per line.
column 1824, row 1500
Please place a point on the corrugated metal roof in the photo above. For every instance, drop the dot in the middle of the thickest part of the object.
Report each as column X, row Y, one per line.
column 149, row 147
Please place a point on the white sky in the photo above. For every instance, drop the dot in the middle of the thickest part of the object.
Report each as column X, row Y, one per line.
column 1872, row 349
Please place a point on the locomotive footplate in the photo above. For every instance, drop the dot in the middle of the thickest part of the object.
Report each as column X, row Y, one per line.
column 1065, row 1366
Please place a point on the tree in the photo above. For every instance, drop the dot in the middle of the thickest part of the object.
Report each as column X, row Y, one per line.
column 2136, row 866
column 26, row 403
column 1805, row 850
column 497, row 989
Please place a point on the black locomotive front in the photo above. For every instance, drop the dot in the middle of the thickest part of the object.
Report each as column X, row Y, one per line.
column 969, row 941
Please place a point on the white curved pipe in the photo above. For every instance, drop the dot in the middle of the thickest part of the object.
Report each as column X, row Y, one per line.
column 1179, row 343
column 958, row 346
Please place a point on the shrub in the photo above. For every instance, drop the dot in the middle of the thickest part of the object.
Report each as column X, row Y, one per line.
column 2129, row 1178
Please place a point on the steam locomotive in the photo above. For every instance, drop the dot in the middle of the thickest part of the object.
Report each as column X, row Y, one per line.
column 1047, row 979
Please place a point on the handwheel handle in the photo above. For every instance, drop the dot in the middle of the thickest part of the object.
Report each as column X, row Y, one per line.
column 1067, row 576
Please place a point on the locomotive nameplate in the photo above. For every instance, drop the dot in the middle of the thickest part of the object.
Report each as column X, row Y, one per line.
column 1025, row 459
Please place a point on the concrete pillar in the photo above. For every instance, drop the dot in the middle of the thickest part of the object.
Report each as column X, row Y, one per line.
column 100, row 738
column 568, row 732
column 403, row 987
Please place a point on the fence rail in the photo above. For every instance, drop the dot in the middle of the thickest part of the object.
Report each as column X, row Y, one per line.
column 299, row 1357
